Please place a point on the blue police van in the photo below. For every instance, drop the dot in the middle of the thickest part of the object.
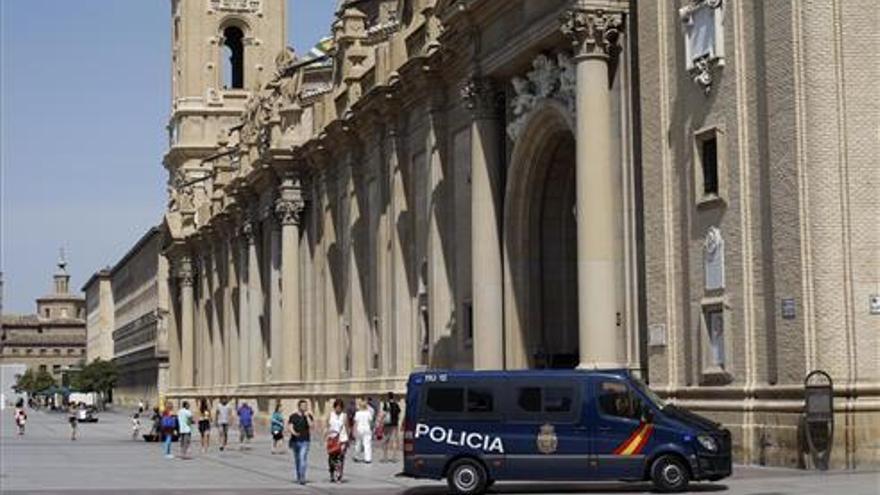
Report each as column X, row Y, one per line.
column 477, row 427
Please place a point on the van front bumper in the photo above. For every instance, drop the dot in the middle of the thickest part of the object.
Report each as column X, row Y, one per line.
column 711, row 467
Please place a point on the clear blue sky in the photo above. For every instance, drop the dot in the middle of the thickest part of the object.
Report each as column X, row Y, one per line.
column 84, row 99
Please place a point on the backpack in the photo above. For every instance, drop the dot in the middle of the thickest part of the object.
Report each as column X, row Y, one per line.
column 168, row 422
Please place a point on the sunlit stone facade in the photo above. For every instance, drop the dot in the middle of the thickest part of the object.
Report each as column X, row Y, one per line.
column 683, row 188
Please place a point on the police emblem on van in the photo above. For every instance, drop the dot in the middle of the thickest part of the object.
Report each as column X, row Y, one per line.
column 547, row 441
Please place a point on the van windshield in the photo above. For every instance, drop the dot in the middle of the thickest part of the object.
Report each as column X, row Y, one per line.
column 647, row 392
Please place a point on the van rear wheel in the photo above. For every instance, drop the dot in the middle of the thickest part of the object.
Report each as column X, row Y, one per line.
column 466, row 477
column 669, row 474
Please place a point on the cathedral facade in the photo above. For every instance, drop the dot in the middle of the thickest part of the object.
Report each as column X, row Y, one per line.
column 682, row 188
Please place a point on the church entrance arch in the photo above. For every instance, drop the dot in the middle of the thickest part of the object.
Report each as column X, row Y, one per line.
column 540, row 243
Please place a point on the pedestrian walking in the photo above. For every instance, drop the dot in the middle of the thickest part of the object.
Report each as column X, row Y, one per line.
column 169, row 427
column 141, row 406
column 20, row 416
column 391, row 425
column 205, row 425
column 300, row 426
column 222, row 416
column 337, row 440
column 184, row 429
column 276, row 426
column 245, row 425
column 73, row 419
column 135, row 425
column 363, row 430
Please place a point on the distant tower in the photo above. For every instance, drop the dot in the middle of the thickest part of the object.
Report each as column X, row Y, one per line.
column 62, row 278
column 222, row 50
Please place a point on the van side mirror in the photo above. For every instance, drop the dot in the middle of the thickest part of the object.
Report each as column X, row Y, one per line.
column 647, row 415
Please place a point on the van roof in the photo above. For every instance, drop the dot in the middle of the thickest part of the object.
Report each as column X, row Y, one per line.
column 418, row 376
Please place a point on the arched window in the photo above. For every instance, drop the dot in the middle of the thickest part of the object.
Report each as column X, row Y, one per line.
column 233, row 58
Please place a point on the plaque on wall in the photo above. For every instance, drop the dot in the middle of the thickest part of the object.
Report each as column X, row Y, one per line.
column 789, row 309
column 657, row 335
column 713, row 260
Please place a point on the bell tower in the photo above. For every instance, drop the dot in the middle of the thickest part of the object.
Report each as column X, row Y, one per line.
column 221, row 51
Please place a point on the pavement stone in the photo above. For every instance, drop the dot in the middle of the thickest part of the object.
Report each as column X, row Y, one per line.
column 106, row 460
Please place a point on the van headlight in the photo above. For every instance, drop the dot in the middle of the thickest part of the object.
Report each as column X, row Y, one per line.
column 708, row 443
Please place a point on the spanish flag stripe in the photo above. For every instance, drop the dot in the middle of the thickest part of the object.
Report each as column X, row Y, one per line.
column 644, row 440
column 621, row 449
column 631, row 446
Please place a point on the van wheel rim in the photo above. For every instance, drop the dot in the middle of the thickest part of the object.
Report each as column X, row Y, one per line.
column 466, row 478
column 672, row 474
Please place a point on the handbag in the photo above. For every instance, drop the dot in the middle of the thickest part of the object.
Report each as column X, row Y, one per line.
column 334, row 446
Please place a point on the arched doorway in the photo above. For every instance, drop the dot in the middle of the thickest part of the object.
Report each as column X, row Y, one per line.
column 540, row 244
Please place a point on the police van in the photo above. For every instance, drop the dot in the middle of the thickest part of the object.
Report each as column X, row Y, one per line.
column 477, row 427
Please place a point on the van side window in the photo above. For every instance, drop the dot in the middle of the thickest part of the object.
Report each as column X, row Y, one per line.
column 480, row 400
column 558, row 399
column 615, row 399
column 445, row 400
column 529, row 399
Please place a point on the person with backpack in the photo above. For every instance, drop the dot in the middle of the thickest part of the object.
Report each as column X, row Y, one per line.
column 169, row 427
column 391, row 423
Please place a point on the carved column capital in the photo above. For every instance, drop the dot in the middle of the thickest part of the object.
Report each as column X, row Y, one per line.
column 594, row 32
column 289, row 211
column 290, row 205
column 482, row 97
column 249, row 230
column 185, row 273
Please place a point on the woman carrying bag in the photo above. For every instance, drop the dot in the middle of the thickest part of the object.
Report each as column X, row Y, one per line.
column 337, row 440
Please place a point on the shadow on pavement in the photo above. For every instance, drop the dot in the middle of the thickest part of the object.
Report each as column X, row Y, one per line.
column 538, row 488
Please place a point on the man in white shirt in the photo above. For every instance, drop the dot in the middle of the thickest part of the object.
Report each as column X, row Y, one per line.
column 184, row 427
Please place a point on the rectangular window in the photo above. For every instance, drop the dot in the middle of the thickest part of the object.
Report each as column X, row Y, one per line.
column 708, row 170
column 709, row 161
column 42, row 367
column 445, row 400
column 480, row 400
column 558, row 399
column 615, row 399
column 56, row 368
column 529, row 399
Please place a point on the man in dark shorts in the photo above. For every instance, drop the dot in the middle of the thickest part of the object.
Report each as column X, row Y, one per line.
column 245, row 425
column 300, row 425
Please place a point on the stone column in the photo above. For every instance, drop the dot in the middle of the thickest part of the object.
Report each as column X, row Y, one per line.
column 244, row 315
column 277, row 358
column 483, row 100
column 187, row 354
column 598, row 190
column 233, row 272
column 289, row 208
column 256, row 357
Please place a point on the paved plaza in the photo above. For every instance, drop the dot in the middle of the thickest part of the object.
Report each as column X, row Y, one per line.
column 106, row 460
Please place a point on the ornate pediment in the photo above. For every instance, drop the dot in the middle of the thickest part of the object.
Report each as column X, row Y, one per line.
column 549, row 78
column 237, row 5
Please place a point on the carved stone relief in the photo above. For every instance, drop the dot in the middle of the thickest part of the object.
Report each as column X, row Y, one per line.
column 549, row 78
column 703, row 39
column 713, row 260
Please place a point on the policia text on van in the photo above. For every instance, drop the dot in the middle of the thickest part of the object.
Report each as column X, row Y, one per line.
column 477, row 427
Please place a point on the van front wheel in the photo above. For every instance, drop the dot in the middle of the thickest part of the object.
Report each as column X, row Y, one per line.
column 466, row 477
column 669, row 474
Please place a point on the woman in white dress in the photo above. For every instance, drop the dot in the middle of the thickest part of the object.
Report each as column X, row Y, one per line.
column 363, row 429
column 337, row 440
